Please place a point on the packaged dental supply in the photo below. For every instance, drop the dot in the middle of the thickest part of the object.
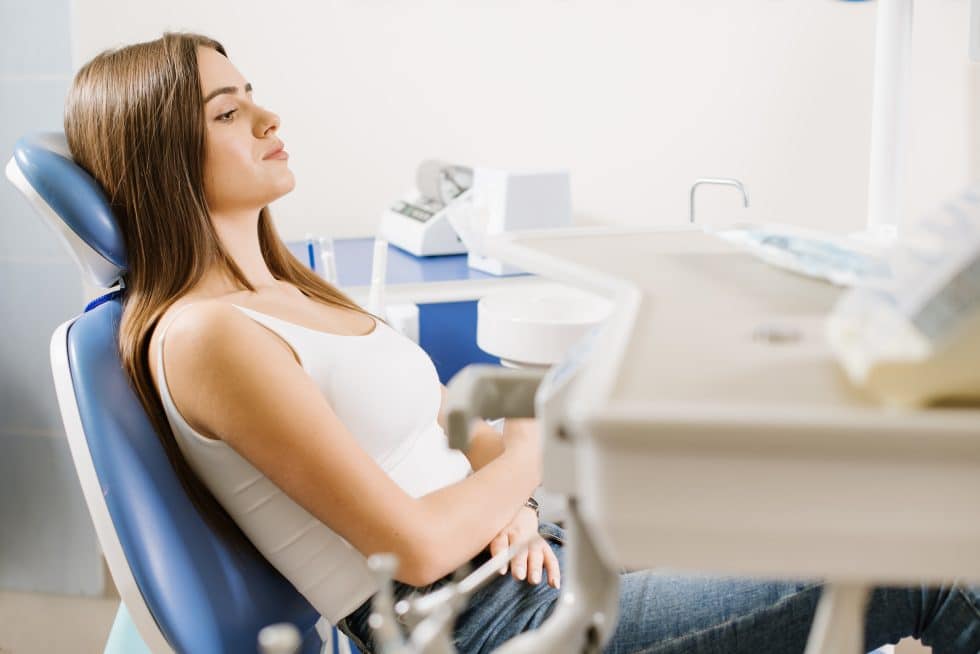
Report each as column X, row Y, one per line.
column 837, row 259
column 916, row 340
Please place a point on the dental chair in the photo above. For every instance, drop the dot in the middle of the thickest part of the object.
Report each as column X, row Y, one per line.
column 183, row 588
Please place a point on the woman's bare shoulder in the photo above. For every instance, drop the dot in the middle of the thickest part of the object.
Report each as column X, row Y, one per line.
column 216, row 358
column 196, row 327
column 197, row 314
column 190, row 315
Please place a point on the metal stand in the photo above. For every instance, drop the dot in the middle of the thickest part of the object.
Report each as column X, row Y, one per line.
column 889, row 116
column 838, row 625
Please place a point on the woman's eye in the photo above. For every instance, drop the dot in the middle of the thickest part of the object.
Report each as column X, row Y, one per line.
column 227, row 115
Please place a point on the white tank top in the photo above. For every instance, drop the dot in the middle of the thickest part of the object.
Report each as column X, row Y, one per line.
column 392, row 416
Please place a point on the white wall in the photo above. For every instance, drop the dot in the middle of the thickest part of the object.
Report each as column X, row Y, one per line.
column 636, row 98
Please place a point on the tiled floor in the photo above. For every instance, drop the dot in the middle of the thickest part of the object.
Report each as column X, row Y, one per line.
column 33, row 623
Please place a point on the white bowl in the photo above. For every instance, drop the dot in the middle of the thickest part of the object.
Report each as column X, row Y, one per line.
column 536, row 326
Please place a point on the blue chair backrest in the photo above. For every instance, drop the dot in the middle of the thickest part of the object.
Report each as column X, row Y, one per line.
column 204, row 595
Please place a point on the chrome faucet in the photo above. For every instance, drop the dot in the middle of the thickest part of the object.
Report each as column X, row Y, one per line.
column 727, row 181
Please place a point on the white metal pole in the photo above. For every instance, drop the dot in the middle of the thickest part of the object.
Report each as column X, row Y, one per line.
column 975, row 30
column 838, row 624
column 376, row 292
column 889, row 117
column 973, row 124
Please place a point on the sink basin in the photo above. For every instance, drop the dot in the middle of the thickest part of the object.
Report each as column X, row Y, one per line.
column 536, row 326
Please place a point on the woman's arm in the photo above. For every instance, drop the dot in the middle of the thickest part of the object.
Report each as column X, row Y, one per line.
column 486, row 444
column 233, row 379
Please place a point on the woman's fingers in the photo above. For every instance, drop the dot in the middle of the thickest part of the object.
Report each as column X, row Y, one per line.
column 518, row 566
column 551, row 565
column 535, row 558
column 498, row 545
column 531, row 563
column 528, row 564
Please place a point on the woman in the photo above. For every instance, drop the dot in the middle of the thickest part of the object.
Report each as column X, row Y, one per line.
column 298, row 420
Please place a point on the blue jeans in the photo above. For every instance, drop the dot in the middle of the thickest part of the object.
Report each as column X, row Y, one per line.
column 661, row 613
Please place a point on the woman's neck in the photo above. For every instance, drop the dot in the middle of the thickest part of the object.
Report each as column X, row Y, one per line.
column 239, row 235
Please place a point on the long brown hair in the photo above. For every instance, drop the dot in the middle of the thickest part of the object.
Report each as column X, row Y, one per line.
column 134, row 120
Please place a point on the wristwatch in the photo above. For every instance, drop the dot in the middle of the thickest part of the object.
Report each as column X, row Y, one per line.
column 532, row 504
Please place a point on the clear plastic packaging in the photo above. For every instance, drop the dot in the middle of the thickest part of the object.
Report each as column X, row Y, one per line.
column 837, row 259
column 916, row 339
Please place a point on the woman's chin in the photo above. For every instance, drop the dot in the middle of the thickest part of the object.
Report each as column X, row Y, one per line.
column 285, row 185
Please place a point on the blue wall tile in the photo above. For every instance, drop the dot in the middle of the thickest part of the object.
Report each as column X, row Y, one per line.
column 27, row 106
column 48, row 543
column 34, row 300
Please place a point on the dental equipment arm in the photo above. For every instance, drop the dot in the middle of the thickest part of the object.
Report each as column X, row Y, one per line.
column 480, row 391
column 431, row 617
column 588, row 609
column 486, row 442
column 587, row 613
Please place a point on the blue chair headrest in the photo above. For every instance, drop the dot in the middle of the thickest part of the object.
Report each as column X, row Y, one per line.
column 71, row 202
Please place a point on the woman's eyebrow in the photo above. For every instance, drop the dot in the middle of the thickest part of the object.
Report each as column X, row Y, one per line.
column 226, row 89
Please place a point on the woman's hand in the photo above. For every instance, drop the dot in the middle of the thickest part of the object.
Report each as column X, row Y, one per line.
column 527, row 564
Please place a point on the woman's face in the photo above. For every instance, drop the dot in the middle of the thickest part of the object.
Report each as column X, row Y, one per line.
column 240, row 135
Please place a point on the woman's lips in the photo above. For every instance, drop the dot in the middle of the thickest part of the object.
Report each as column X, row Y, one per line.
column 278, row 153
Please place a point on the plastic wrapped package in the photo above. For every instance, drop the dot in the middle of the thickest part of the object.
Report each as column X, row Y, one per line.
column 916, row 340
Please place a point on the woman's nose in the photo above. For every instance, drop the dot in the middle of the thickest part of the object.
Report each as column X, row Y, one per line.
column 268, row 123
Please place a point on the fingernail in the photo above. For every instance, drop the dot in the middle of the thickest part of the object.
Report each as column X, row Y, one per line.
column 521, row 572
column 536, row 578
column 557, row 584
column 503, row 570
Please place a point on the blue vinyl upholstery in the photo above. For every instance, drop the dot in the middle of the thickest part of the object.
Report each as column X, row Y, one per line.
column 204, row 595
column 77, row 198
